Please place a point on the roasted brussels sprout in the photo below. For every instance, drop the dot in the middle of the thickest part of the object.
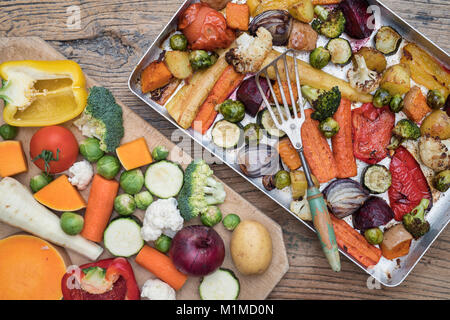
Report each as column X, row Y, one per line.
column 381, row 98
column 232, row 111
column 178, row 42
column 329, row 127
column 319, row 57
column 441, row 181
column 396, row 103
column 282, row 179
column 40, row 181
column 90, row 149
column 163, row 243
column 211, row 216
column 124, row 204
column 160, row 153
column 201, row 59
column 374, row 236
column 277, row 22
column 252, row 133
column 108, row 167
column 8, row 132
column 132, row 181
column 406, row 129
column 143, row 199
column 71, row 223
column 435, row 99
column 231, row 221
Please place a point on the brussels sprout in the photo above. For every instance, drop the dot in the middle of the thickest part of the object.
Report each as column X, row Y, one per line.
column 282, row 179
column 329, row 127
column 178, row 42
column 211, row 216
column 90, row 149
column 71, row 223
column 40, row 181
column 231, row 221
column 143, row 199
column 200, row 59
column 406, row 129
column 252, row 133
column 396, row 104
column 160, row 153
column 442, row 180
column 232, row 111
column 8, row 132
column 435, row 99
column 132, row 181
column 124, row 204
column 319, row 57
column 108, row 167
column 163, row 243
column 374, row 235
column 381, row 98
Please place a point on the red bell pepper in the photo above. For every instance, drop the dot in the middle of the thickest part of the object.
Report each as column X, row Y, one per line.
column 371, row 132
column 409, row 185
column 118, row 275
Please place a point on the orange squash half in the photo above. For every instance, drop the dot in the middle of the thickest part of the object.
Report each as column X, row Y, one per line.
column 30, row 269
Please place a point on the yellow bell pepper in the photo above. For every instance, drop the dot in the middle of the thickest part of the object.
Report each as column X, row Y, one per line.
column 42, row 93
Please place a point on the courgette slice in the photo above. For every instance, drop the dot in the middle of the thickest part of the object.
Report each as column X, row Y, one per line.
column 164, row 179
column 264, row 120
column 340, row 50
column 252, row 133
column 222, row 284
column 387, row 40
column 123, row 237
column 376, row 178
column 227, row 135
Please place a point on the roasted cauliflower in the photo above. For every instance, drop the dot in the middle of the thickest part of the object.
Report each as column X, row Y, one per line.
column 434, row 153
column 362, row 78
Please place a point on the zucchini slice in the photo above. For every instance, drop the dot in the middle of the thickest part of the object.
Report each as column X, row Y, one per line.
column 222, row 284
column 387, row 40
column 340, row 50
column 252, row 133
column 123, row 237
column 376, row 178
column 164, row 179
column 226, row 134
column 264, row 120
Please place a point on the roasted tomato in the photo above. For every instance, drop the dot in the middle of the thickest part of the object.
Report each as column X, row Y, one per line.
column 409, row 185
column 371, row 131
column 205, row 28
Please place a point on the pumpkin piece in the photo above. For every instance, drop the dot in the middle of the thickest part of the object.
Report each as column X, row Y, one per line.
column 12, row 160
column 60, row 195
column 134, row 154
column 155, row 76
column 30, row 269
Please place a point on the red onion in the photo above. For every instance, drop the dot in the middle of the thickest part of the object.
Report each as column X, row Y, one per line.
column 197, row 250
column 344, row 197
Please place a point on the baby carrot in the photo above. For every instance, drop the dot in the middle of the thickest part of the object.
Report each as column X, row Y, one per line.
column 289, row 154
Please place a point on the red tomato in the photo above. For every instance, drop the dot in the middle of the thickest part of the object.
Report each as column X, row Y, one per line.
column 52, row 139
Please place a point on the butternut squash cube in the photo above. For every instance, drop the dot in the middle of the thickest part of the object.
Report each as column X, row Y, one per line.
column 134, row 154
column 155, row 76
column 12, row 158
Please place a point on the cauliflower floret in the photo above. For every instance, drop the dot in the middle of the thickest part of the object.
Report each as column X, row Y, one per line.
column 81, row 174
column 434, row 153
column 361, row 78
column 155, row 289
column 250, row 52
column 162, row 216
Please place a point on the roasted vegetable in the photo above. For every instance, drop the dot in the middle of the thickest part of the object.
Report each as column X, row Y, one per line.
column 415, row 223
column 8, row 132
column 435, row 99
column 406, row 129
column 396, row 104
column 436, row 124
column 303, row 11
column 178, row 42
column 319, row 57
column 373, row 236
column 232, row 110
column 396, row 79
column 396, row 242
column 387, row 40
column 299, row 184
column 434, row 153
column 303, row 37
column 441, row 181
column 325, row 103
column 282, row 179
column 155, row 76
column 381, row 98
column 333, row 26
column 329, row 127
column 373, row 213
column 179, row 64
column 227, row 135
column 252, row 133
column 268, row 182
column 238, row 16
column 301, row 209
column 361, row 78
column 374, row 59
column 201, row 59
column 277, row 22
column 250, row 95
column 344, row 197
column 340, row 51
column 376, row 178
column 415, row 105
column 211, row 216
column 357, row 18
column 321, row 12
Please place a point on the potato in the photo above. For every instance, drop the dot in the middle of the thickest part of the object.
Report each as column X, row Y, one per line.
column 251, row 247
column 178, row 64
column 252, row 5
column 217, row 4
column 396, row 79
column 266, row 5
column 436, row 124
column 374, row 59
column 302, row 11
column 303, row 37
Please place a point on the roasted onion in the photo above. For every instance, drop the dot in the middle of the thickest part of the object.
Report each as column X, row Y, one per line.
column 344, row 197
column 277, row 22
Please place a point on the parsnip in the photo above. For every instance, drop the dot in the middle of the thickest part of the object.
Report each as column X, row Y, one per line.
column 19, row 209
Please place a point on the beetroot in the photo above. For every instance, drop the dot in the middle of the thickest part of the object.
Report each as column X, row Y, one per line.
column 357, row 18
column 373, row 213
column 249, row 94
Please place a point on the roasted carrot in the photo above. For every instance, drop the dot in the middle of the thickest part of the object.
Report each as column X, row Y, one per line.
column 238, row 16
column 161, row 266
column 325, row 2
column 342, row 142
column 227, row 83
column 289, row 154
column 317, row 151
column 352, row 242
column 99, row 207
column 287, row 95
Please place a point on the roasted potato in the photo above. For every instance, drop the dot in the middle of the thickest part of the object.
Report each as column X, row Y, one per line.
column 253, row 5
column 303, row 11
column 217, row 4
column 436, row 124
column 178, row 64
column 396, row 79
column 266, row 5
column 374, row 59
column 302, row 37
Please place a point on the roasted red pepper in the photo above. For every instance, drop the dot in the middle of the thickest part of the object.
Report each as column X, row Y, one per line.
column 409, row 185
column 371, row 132
column 205, row 28
column 116, row 283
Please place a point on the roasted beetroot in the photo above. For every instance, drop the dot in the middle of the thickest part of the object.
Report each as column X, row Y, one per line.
column 248, row 93
column 373, row 213
column 358, row 24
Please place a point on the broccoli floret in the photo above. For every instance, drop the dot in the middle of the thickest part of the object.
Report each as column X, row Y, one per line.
column 332, row 27
column 415, row 221
column 325, row 103
column 102, row 118
column 406, row 129
column 199, row 190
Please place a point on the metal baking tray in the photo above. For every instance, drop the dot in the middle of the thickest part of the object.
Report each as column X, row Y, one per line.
column 389, row 273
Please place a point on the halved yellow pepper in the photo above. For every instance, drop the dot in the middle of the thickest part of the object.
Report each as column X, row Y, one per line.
column 42, row 93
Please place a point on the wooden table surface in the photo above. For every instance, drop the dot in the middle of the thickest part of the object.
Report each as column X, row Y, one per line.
column 112, row 37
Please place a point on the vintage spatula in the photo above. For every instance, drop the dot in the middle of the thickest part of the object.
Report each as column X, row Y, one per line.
column 291, row 122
